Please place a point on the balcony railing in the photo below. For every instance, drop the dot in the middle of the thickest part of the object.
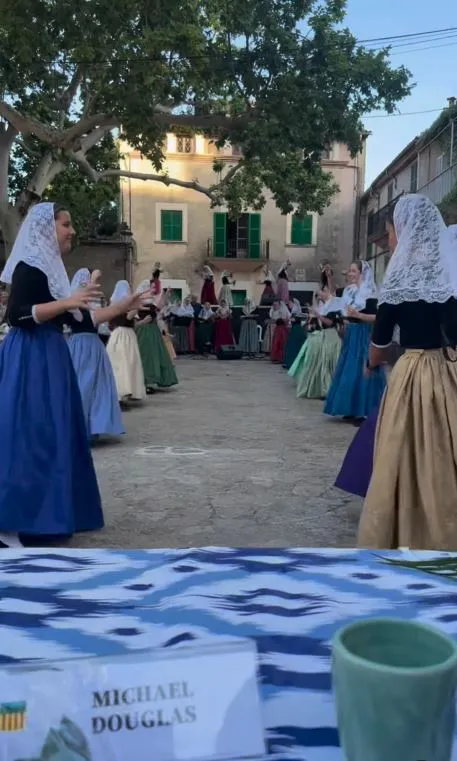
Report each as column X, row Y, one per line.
column 238, row 249
column 440, row 186
column 376, row 224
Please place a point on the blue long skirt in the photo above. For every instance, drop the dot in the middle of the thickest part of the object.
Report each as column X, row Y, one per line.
column 351, row 394
column 355, row 473
column 97, row 385
column 48, row 484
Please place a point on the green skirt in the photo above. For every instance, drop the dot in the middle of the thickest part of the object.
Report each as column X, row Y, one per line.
column 158, row 368
column 316, row 363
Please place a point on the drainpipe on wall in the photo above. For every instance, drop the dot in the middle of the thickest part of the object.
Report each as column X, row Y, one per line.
column 356, row 233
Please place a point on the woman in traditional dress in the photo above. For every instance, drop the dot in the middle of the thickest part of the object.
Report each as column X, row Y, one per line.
column 123, row 351
column 205, row 329
column 223, row 334
column 297, row 333
column 268, row 293
column 158, row 368
column 281, row 319
column 269, row 326
column 249, row 335
column 355, row 473
column 208, row 293
column 48, row 486
column 317, row 360
column 183, row 317
column 156, row 284
column 411, row 499
column 352, row 395
column 282, row 283
column 225, row 294
column 327, row 276
column 92, row 366
column 191, row 329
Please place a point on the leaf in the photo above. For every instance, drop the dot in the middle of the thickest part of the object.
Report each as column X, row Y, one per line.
column 242, row 72
column 445, row 567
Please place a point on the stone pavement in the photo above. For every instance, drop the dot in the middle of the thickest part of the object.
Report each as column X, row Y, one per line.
column 229, row 457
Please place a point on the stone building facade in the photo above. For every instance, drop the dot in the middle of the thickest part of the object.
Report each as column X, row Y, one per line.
column 177, row 227
column 427, row 165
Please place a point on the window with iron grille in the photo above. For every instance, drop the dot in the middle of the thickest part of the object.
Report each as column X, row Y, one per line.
column 184, row 145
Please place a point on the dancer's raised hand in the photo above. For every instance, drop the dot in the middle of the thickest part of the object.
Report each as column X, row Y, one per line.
column 139, row 300
column 81, row 298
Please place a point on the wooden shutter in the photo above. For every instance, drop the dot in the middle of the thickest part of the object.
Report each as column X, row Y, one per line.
column 220, row 233
column 302, row 230
column 171, row 225
column 254, row 236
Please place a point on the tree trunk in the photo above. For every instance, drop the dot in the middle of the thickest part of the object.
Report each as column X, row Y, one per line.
column 10, row 221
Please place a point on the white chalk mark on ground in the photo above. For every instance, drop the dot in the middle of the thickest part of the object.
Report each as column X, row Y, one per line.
column 170, row 451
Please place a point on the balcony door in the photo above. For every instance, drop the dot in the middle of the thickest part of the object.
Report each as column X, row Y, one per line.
column 237, row 238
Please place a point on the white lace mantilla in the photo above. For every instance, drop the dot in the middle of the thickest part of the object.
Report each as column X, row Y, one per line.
column 36, row 245
column 424, row 264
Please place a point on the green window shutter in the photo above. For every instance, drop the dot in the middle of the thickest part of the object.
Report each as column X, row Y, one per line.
column 177, row 294
column 220, row 233
column 238, row 298
column 301, row 230
column 170, row 225
column 254, row 236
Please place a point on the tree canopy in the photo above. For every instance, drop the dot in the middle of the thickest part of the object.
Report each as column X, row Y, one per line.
column 281, row 79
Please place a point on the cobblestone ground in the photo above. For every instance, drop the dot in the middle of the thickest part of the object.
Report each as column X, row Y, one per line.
column 229, row 457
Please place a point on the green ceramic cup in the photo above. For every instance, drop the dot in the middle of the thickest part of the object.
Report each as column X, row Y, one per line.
column 394, row 683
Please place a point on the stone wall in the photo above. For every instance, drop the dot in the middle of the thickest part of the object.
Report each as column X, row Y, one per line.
column 113, row 258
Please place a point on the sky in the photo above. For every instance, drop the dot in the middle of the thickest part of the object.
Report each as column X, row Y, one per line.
column 434, row 71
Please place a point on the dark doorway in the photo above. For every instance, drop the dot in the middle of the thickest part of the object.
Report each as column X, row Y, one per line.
column 238, row 236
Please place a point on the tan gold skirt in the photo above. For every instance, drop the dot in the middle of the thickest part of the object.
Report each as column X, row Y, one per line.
column 412, row 498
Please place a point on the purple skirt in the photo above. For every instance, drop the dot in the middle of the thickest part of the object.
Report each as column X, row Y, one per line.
column 355, row 474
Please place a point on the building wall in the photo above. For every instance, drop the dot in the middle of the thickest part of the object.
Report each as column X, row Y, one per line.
column 401, row 182
column 436, row 162
column 142, row 202
column 111, row 258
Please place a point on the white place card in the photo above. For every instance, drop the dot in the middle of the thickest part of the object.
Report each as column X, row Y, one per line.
column 193, row 703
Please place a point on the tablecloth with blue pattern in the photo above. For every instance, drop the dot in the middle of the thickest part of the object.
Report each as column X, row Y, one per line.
column 66, row 603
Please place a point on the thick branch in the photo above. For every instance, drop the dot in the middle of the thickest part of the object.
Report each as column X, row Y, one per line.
column 70, row 93
column 86, row 167
column 93, row 138
column 8, row 135
column 66, row 139
column 48, row 168
column 164, row 179
column 84, row 164
column 86, row 125
column 29, row 151
column 228, row 177
column 26, row 125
